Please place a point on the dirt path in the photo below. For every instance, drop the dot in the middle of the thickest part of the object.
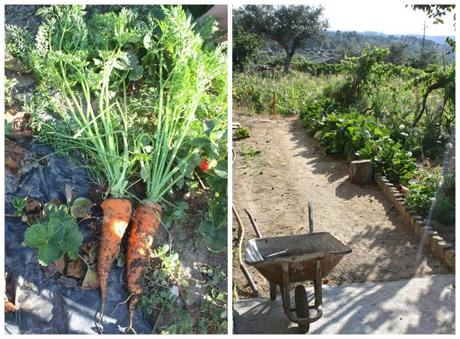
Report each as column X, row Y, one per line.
column 279, row 169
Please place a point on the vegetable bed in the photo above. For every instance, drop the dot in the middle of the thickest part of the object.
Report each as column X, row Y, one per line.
column 116, row 170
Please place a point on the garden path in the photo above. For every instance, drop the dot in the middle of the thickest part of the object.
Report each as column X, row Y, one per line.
column 280, row 168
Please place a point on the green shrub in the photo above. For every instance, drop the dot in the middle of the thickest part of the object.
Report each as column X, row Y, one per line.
column 444, row 209
column 276, row 94
column 422, row 190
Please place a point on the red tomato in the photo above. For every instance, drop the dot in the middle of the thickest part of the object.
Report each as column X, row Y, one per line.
column 204, row 165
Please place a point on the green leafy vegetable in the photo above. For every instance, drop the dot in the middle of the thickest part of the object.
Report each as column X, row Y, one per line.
column 54, row 237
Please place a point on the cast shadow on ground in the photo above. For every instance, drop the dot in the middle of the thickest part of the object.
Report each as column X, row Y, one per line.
column 332, row 167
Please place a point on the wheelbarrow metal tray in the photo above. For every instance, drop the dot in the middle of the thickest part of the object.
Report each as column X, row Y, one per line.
column 300, row 252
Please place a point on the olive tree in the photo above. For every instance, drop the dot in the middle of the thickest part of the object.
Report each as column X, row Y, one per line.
column 290, row 26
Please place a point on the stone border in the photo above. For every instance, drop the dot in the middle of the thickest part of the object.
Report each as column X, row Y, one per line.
column 442, row 249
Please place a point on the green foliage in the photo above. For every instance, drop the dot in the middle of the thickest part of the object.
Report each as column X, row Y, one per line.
column 316, row 68
column 396, row 163
column 213, row 311
column 9, row 85
column 431, row 191
column 158, row 65
column 245, row 46
column 55, row 236
column 358, row 136
column 191, row 70
column 158, row 296
column 362, row 74
column 66, row 59
column 167, row 295
column 9, row 129
column 209, row 139
column 422, row 190
column 289, row 26
column 19, row 204
column 444, row 209
column 279, row 94
column 368, row 114
column 214, row 226
column 435, row 12
column 176, row 214
column 18, row 42
column 241, row 133
column 249, row 153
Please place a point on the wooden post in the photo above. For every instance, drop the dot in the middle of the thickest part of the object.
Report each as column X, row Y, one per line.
column 360, row 172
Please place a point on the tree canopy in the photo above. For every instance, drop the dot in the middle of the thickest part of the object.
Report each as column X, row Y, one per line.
column 245, row 46
column 290, row 26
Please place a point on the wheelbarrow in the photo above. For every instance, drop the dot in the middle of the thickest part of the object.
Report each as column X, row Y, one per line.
column 289, row 260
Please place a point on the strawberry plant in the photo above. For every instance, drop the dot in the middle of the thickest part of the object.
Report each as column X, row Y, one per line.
column 19, row 204
column 56, row 235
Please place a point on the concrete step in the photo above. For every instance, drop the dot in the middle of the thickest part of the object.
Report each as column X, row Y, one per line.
column 422, row 305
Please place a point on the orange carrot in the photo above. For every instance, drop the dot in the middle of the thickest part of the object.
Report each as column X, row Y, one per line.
column 146, row 221
column 117, row 213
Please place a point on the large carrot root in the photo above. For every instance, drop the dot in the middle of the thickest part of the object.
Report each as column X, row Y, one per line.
column 146, row 221
column 117, row 213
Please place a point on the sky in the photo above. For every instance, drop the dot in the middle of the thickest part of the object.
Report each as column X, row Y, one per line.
column 384, row 16
column 390, row 17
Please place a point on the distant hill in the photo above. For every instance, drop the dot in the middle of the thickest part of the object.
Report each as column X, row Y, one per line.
column 439, row 39
column 406, row 49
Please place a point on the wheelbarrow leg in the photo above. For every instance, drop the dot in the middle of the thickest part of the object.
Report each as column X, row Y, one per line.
column 285, row 291
column 317, row 285
column 273, row 290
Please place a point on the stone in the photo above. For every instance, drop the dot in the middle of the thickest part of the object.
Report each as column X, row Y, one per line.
column 427, row 237
column 434, row 242
column 449, row 258
column 414, row 218
column 441, row 246
column 386, row 189
column 418, row 228
column 24, row 81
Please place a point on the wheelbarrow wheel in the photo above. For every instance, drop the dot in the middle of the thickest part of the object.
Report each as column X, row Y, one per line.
column 301, row 308
column 273, row 291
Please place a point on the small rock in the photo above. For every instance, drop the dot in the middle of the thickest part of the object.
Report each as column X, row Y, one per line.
column 23, row 97
column 50, row 270
column 24, row 81
column 11, row 164
column 68, row 282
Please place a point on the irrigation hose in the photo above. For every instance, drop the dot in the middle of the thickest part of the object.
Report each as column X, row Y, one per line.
column 240, row 245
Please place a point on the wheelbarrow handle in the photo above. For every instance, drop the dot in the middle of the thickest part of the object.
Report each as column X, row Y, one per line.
column 310, row 217
column 253, row 223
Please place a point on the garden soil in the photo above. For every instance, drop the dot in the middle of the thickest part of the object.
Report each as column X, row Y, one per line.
column 279, row 169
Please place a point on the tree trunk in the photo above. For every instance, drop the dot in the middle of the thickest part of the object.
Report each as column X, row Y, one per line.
column 360, row 172
column 287, row 61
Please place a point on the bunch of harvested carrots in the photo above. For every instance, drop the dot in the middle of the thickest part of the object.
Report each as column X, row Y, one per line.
column 183, row 69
